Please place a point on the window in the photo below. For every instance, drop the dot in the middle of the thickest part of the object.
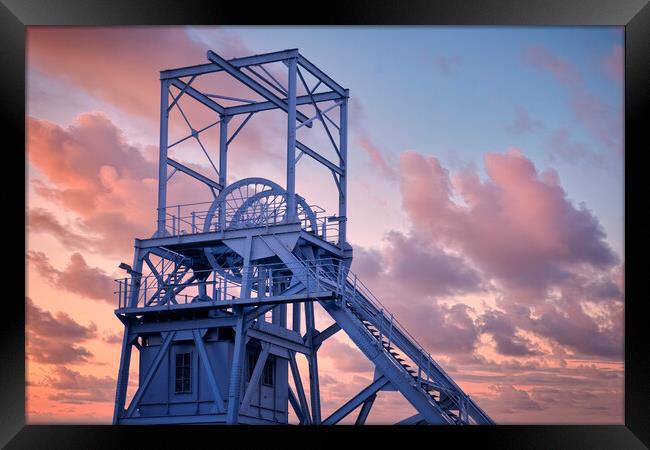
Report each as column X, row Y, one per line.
column 183, row 373
column 252, row 359
column 269, row 369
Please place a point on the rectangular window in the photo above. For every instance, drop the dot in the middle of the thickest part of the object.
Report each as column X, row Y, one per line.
column 183, row 373
column 269, row 370
column 252, row 359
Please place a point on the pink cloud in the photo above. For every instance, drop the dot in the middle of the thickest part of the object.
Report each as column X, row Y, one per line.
column 77, row 277
column 518, row 225
column 603, row 122
column 377, row 157
column 54, row 338
column 91, row 170
column 71, row 386
column 121, row 65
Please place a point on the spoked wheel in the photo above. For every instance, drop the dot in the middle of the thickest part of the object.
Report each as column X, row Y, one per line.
column 251, row 202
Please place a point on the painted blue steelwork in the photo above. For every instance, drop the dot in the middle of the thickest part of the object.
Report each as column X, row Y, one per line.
column 206, row 302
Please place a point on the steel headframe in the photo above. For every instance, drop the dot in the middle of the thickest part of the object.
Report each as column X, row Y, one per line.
column 276, row 96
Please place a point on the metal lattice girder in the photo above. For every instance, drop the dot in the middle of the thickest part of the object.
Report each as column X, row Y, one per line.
column 254, row 60
column 254, row 85
column 199, row 96
column 265, row 106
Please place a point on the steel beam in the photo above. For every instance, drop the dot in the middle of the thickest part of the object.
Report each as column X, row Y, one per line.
column 326, row 333
column 296, row 406
column 319, row 74
column 297, row 381
column 361, row 397
column 234, row 389
column 255, row 377
column 199, row 96
column 343, row 163
column 265, row 106
column 365, row 410
column 254, row 60
column 122, row 376
column 255, row 86
column 162, row 352
column 327, row 163
column 202, row 178
column 162, row 158
column 291, row 143
column 203, row 356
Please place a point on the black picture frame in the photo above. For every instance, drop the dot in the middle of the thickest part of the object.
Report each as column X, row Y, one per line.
column 15, row 15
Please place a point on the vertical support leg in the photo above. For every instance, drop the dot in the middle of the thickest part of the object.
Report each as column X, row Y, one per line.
column 223, row 164
column 122, row 376
column 291, row 141
column 365, row 410
column 162, row 162
column 247, row 276
column 234, row 389
column 136, row 276
column 314, row 385
column 343, row 163
column 296, row 317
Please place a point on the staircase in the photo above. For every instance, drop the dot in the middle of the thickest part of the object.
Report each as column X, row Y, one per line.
column 395, row 353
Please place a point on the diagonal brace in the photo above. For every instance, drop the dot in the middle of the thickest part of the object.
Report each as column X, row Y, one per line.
column 252, row 84
column 152, row 370
column 361, row 397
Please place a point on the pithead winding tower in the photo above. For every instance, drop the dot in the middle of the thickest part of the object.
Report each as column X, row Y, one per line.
column 206, row 302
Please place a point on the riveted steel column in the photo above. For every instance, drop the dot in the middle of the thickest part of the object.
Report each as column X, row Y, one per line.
column 235, row 387
column 162, row 162
column 291, row 142
column 343, row 163
column 122, row 376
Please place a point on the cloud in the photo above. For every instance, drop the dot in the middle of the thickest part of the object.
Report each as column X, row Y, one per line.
column 613, row 64
column 562, row 147
column 377, row 157
column 546, row 257
column 112, row 338
column 344, row 357
column 77, row 277
column 603, row 122
column 503, row 331
column 120, row 67
column 54, row 338
column 70, row 386
column 92, row 171
column 40, row 220
column 518, row 225
column 523, row 123
column 411, row 275
column 515, row 400
column 446, row 65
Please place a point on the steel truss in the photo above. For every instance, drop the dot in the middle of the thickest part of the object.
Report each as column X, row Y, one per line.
column 254, row 250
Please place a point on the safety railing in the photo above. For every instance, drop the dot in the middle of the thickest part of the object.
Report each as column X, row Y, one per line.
column 184, row 286
column 194, row 218
column 387, row 325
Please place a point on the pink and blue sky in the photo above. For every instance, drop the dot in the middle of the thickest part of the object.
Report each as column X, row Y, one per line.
column 485, row 203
